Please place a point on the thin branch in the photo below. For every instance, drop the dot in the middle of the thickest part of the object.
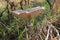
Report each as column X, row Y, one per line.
column 49, row 3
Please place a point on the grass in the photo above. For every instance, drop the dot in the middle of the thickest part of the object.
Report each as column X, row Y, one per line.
column 17, row 25
column 13, row 25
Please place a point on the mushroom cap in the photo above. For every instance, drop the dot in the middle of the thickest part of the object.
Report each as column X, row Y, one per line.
column 28, row 13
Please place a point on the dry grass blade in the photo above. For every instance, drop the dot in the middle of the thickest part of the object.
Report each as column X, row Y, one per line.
column 51, row 26
column 47, row 37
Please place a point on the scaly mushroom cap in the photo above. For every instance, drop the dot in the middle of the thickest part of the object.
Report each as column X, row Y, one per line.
column 28, row 13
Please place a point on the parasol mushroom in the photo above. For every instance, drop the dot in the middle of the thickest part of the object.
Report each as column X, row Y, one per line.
column 28, row 13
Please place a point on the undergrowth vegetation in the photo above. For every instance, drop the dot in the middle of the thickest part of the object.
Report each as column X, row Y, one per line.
column 13, row 28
